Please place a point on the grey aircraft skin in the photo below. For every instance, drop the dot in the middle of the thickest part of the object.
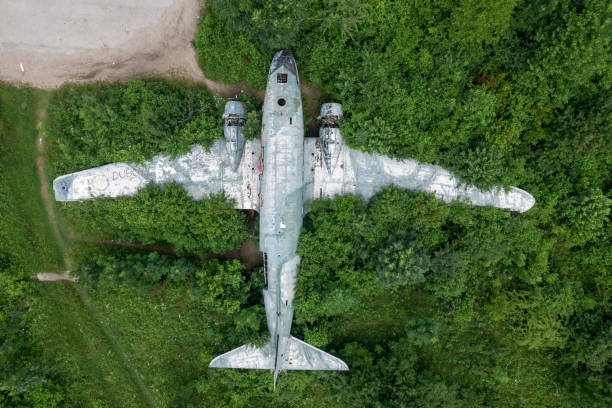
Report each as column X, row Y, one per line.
column 279, row 175
column 282, row 206
column 281, row 213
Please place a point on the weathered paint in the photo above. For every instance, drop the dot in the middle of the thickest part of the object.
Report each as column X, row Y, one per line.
column 357, row 172
column 234, row 117
column 201, row 172
column 281, row 214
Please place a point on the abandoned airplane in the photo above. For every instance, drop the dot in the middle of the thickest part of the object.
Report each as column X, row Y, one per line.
column 278, row 176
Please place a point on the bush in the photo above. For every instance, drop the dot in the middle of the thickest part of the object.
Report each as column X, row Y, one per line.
column 163, row 216
column 98, row 124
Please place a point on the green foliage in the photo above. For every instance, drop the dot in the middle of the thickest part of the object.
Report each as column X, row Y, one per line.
column 27, row 246
column 339, row 18
column 252, row 127
column 223, row 285
column 463, row 84
column 23, row 223
column 103, row 123
column 228, row 56
column 146, row 320
column 270, row 25
column 484, row 273
column 403, row 261
column 163, row 216
column 430, row 304
column 421, row 331
column 135, row 270
column 474, row 22
column 585, row 217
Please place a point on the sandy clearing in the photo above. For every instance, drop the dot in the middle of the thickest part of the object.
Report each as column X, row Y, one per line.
column 46, row 43
column 58, row 41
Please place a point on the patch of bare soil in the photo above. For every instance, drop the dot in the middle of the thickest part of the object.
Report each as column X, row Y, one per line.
column 247, row 253
column 44, row 191
column 48, row 43
column 54, row 277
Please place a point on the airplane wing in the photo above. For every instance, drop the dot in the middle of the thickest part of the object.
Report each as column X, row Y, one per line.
column 341, row 170
column 201, row 172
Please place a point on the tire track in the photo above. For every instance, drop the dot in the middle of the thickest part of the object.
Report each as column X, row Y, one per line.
column 80, row 293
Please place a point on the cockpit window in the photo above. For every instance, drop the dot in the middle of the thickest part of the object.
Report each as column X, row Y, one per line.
column 281, row 78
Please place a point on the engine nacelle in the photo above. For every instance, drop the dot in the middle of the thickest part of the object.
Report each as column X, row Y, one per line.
column 234, row 117
column 329, row 134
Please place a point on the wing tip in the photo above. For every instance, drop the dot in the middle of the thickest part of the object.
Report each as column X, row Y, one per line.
column 525, row 201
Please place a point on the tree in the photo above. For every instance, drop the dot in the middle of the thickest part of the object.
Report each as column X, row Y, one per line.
column 164, row 215
column 270, row 25
column 403, row 261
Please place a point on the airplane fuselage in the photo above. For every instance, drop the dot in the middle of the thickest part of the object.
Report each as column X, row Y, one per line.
column 281, row 208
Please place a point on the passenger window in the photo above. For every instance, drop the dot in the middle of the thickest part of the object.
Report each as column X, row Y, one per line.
column 281, row 78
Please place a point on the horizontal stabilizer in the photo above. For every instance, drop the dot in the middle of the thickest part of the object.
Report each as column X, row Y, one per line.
column 246, row 356
column 300, row 355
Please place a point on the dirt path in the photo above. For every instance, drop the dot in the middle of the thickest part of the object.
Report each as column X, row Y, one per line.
column 247, row 253
column 44, row 191
column 83, row 297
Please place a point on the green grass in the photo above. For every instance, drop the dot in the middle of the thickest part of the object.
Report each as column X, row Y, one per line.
column 163, row 333
column 126, row 347
column 119, row 348
column 25, row 233
column 88, row 363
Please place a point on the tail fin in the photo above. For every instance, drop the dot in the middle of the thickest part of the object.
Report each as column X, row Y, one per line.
column 299, row 355
column 246, row 356
column 294, row 355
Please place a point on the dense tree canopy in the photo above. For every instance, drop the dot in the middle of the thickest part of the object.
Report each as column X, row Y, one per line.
column 468, row 85
column 102, row 123
column 163, row 216
column 430, row 304
column 96, row 124
column 443, row 305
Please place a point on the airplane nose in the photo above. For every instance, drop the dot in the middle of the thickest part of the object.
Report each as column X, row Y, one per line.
column 284, row 58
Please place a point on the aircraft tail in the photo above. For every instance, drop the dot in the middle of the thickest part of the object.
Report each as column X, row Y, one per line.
column 246, row 356
column 299, row 355
column 291, row 354
column 295, row 354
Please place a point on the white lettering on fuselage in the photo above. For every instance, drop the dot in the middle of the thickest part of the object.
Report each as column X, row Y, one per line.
column 126, row 173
